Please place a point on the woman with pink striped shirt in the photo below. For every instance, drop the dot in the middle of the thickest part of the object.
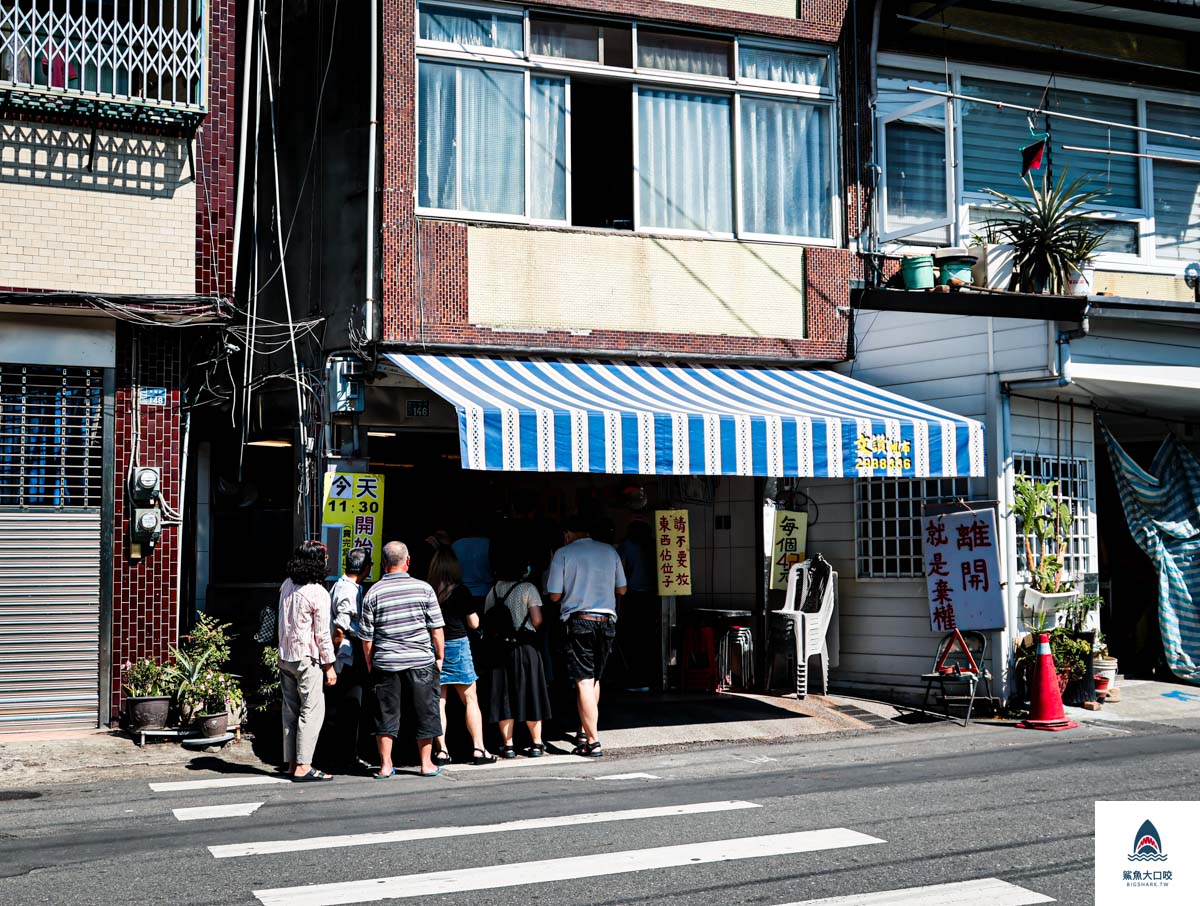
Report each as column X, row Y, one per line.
column 306, row 656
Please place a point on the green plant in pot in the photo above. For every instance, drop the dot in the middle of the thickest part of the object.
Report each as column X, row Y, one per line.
column 1051, row 234
column 147, row 686
column 210, row 699
column 1070, row 655
column 1044, row 524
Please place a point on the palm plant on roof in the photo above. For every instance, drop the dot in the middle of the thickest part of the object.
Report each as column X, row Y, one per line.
column 1050, row 231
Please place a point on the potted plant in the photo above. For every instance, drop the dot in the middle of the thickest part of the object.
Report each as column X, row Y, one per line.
column 147, row 694
column 186, row 670
column 1070, row 652
column 1105, row 666
column 1051, row 234
column 994, row 266
column 1044, row 523
column 210, row 699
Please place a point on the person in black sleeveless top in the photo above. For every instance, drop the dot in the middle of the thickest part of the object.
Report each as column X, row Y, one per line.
column 518, row 688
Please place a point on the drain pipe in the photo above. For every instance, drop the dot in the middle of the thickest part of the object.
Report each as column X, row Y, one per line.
column 369, row 313
column 1060, row 380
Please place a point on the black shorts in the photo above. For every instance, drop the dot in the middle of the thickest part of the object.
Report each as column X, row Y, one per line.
column 418, row 688
column 589, row 643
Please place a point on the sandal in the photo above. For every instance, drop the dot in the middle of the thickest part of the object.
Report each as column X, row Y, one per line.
column 537, row 750
column 434, row 773
column 481, row 756
column 441, row 756
column 589, row 750
column 507, row 752
column 313, row 776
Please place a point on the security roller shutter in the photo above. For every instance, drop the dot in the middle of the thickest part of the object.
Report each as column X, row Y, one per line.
column 50, row 532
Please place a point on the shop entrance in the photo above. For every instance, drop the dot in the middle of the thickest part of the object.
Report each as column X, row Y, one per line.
column 428, row 492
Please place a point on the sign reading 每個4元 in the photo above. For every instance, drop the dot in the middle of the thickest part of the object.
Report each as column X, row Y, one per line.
column 962, row 571
column 352, row 516
column 787, row 545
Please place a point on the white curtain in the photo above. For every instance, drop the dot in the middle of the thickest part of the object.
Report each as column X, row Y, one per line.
column 683, row 53
column 437, row 170
column 472, row 27
column 684, row 161
column 548, row 149
column 471, row 139
column 786, row 171
column 774, row 65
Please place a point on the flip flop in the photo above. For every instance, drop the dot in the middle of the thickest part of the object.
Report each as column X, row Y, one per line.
column 313, row 776
column 388, row 776
column 432, row 773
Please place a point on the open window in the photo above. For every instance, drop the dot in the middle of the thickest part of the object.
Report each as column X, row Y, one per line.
column 914, row 154
column 602, row 154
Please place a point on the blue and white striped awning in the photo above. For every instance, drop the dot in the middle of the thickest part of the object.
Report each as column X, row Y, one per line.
column 539, row 415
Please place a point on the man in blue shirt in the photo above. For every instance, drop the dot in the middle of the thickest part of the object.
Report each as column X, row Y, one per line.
column 585, row 578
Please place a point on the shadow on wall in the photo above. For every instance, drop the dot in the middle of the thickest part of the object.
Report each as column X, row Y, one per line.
column 40, row 155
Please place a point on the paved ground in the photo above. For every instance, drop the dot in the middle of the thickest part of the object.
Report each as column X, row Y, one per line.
column 764, row 823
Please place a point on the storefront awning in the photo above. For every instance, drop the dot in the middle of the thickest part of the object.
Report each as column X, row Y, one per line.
column 546, row 415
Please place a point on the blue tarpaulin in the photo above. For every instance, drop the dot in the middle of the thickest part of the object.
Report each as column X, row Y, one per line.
column 1162, row 507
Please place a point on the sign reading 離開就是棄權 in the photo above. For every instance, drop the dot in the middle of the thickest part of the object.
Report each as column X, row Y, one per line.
column 962, row 571
column 787, row 545
column 673, row 552
column 352, row 516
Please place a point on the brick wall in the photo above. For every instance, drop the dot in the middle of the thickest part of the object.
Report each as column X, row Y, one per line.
column 145, row 591
column 431, row 303
column 145, row 594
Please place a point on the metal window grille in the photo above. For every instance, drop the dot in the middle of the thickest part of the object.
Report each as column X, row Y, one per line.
column 889, row 530
column 1074, row 478
column 51, row 451
column 133, row 50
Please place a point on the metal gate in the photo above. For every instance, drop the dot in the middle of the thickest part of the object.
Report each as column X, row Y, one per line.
column 51, row 484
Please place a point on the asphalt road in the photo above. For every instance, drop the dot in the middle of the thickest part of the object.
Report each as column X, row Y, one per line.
column 916, row 806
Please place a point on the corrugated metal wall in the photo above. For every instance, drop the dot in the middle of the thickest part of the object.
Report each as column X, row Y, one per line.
column 49, row 620
column 51, row 488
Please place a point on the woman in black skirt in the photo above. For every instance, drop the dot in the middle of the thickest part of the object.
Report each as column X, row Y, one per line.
column 518, row 687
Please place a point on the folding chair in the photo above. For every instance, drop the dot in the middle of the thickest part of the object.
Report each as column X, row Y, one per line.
column 954, row 666
column 803, row 623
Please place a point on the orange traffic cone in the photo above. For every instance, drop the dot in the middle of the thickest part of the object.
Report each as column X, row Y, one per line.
column 1046, row 707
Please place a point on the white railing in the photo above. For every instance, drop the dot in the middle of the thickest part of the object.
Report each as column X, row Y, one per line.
column 128, row 50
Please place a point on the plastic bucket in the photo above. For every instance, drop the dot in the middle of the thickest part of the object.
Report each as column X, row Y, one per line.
column 917, row 271
column 956, row 269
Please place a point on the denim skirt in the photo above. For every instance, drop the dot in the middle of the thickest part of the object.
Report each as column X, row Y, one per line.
column 458, row 669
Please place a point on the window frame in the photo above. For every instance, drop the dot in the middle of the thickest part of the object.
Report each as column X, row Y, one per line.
column 1078, row 474
column 734, row 87
column 958, row 487
column 960, row 201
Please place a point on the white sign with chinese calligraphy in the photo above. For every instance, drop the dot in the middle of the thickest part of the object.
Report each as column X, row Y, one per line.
column 962, row 571
column 673, row 553
column 353, row 511
column 787, row 545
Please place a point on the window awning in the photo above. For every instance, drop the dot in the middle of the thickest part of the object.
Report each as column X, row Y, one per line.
column 547, row 415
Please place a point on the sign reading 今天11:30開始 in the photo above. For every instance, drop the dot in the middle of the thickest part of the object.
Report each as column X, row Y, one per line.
column 962, row 571
column 352, row 516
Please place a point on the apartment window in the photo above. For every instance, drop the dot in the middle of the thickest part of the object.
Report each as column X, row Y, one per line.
column 889, row 522
column 938, row 156
column 599, row 123
column 1074, row 485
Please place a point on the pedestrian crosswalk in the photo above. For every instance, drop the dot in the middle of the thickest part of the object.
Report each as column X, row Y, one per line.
column 725, row 835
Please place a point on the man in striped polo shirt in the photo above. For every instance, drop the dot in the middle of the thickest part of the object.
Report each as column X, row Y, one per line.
column 403, row 643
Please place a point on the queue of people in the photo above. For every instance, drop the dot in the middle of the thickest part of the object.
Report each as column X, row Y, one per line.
column 477, row 624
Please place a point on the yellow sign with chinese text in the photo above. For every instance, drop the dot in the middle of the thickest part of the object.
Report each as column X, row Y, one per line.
column 673, row 552
column 352, row 516
column 787, row 545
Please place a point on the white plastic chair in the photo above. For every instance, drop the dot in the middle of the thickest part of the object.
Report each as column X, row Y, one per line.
column 808, row 628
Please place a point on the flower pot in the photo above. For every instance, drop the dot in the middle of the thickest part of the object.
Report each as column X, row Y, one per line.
column 994, row 266
column 917, row 271
column 147, row 712
column 1107, row 667
column 211, row 725
column 1040, row 602
column 1082, row 282
column 1102, row 683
